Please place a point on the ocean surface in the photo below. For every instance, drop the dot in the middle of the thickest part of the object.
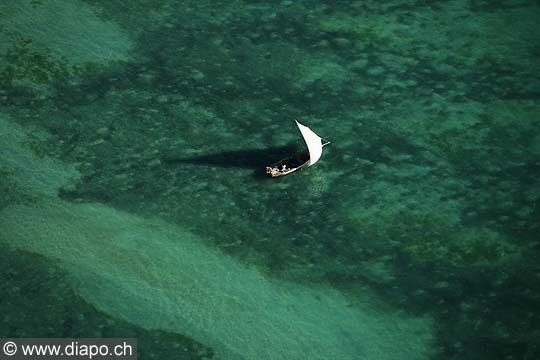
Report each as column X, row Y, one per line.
column 134, row 137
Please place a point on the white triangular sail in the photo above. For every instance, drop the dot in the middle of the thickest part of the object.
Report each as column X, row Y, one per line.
column 313, row 142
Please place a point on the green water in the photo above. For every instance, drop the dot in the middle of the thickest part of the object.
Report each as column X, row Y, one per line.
column 134, row 203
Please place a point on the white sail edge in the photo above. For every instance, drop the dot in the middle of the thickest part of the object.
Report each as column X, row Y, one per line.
column 313, row 142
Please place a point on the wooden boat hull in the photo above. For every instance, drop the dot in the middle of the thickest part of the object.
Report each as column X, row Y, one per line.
column 288, row 165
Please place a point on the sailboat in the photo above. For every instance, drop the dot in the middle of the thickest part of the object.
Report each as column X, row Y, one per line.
column 308, row 158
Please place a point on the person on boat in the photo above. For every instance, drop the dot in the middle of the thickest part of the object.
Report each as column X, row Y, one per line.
column 284, row 168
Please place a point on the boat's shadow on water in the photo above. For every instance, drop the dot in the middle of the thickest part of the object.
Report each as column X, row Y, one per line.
column 255, row 159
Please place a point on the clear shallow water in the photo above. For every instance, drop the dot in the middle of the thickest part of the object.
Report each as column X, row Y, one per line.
column 133, row 143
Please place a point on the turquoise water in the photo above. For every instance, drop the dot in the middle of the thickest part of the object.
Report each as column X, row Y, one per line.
column 134, row 203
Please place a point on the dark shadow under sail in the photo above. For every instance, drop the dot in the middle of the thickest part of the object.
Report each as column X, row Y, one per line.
column 255, row 159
